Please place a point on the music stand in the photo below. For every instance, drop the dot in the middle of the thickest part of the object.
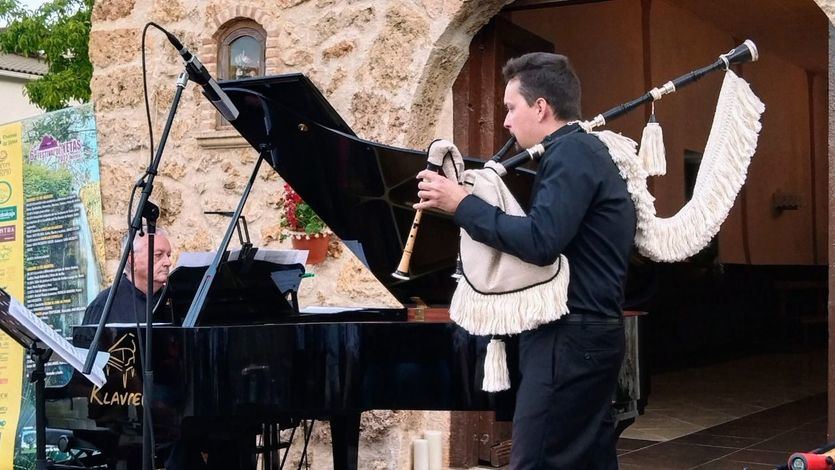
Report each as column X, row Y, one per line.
column 242, row 291
column 40, row 341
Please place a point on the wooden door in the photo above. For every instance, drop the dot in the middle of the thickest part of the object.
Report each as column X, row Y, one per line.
column 478, row 107
column 478, row 117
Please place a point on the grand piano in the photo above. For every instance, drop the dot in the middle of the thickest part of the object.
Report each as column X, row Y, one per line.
column 250, row 363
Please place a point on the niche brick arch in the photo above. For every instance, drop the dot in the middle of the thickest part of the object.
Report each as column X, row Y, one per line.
column 215, row 25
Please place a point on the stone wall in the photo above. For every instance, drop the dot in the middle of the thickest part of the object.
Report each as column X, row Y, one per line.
column 387, row 66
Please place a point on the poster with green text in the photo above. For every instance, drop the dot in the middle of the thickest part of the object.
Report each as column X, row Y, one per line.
column 51, row 231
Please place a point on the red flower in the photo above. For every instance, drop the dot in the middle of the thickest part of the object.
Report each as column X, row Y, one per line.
column 298, row 216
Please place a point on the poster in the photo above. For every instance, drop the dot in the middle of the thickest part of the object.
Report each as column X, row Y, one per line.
column 11, row 279
column 51, row 228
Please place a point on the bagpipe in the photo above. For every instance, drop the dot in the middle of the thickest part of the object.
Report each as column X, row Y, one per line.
column 498, row 294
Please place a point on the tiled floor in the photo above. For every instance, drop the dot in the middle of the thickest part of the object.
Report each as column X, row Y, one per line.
column 747, row 413
column 691, row 400
column 763, row 440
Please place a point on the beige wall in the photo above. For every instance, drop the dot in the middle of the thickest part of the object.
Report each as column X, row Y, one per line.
column 782, row 164
column 16, row 105
column 620, row 49
column 820, row 90
column 610, row 66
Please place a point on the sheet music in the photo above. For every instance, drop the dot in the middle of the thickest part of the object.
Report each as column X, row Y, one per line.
column 324, row 309
column 205, row 258
column 195, row 259
column 58, row 344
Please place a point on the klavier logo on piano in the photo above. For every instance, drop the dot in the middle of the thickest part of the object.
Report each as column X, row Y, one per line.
column 120, row 369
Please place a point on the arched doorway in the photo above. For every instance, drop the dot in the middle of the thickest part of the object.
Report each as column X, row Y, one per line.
column 756, row 298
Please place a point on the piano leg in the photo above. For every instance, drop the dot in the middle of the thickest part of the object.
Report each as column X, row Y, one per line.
column 345, row 435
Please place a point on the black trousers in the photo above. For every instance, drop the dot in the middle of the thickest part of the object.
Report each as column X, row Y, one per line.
column 563, row 417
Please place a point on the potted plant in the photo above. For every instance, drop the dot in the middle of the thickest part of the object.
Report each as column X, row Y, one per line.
column 305, row 228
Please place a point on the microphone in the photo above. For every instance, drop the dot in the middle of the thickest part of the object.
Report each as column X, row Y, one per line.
column 199, row 75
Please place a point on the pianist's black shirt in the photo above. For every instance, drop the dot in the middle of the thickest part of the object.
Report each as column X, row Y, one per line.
column 579, row 207
column 123, row 304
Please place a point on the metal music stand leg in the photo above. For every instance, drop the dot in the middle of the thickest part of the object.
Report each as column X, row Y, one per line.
column 39, row 355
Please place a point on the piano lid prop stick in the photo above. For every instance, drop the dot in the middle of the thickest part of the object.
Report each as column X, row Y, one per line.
column 402, row 271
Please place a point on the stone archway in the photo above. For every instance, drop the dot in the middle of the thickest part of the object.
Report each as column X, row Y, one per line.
column 446, row 57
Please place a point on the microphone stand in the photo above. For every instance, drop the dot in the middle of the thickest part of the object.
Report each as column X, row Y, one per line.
column 136, row 224
column 148, row 444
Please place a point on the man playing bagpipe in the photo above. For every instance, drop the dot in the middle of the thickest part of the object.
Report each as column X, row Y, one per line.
column 580, row 211
column 555, row 274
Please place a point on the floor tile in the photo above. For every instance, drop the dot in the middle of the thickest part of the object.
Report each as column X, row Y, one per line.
column 762, row 457
column 736, row 429
column 705, row 438
column 793, row 441
column 673, row 456
column 724, row 464
column 633, row 444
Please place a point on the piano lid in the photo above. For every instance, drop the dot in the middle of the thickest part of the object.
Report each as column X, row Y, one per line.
column 363, row 190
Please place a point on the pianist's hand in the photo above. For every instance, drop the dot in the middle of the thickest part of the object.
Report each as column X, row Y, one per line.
column 438, row 192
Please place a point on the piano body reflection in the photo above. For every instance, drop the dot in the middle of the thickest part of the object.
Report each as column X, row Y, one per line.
column 250, row 361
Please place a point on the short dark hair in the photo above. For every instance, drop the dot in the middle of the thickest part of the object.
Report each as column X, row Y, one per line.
column 548, row 76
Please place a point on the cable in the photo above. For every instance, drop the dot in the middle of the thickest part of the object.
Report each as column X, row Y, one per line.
column 145, row 85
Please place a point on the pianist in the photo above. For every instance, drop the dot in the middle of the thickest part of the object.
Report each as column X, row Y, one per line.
column 581, row 209
column 129, row 307
column 129, row 303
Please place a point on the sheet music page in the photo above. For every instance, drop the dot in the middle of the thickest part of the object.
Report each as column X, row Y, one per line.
column 282, row 256
column 58, row 344
column 205, row 258
column 324, row 309
column 195, row 259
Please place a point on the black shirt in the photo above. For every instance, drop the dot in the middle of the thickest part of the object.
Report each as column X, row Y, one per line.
column 122, row 310
column 579, row 207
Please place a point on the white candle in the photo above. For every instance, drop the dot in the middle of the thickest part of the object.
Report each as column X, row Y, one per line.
column 420, row 454
column 435, row 449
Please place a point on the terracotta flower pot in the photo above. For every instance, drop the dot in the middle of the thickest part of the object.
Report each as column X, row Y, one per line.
column 316, row 245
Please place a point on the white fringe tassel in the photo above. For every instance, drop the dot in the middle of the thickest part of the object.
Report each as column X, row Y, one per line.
column 732, row 142
column 511, row 313
column 652, row 152
column 496, row 375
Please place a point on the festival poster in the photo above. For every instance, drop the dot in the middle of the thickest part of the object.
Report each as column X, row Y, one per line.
column 11, row 280
column 60, row 235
